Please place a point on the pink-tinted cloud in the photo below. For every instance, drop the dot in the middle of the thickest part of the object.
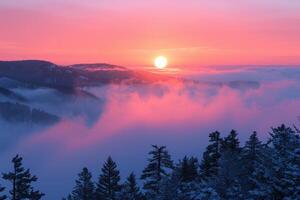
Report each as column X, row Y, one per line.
column 173, row 107
column 177, row 115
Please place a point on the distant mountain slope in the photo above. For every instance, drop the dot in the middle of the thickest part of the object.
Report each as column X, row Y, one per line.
column 11, row 95
column 68, row 78
column 36, row 72
column 41, row 92
column 20, row 113
column 48, row 74
column 44, row 73
column 97, row 67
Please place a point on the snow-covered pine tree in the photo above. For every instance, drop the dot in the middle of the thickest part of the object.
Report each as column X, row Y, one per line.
column 2, row 197
column 234, row 192
column 157, row 169
column 251, row 151
column 229, row 163
column 231, row 142
column 292, row 176
column 167, row 189
column 252, row 156
column 188, row 169
column 182, row 181
column 261, row 179
column 108, row 185
column 209, row 166
column 130, row 189
column 177, row 185
column 230, row 166
column 184, row 184
column 285, row 145
column 205, row 192
column 21, row 180
column 84, row 186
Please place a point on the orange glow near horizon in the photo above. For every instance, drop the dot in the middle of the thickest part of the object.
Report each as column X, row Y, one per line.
column 130, row 32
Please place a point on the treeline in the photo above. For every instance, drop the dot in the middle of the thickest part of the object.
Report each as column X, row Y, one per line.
column 227, row 170
column 21, row 113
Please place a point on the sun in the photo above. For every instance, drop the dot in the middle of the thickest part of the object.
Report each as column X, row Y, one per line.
column 160, row 62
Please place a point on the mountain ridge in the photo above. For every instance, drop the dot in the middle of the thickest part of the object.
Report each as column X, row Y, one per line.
column 48, row 74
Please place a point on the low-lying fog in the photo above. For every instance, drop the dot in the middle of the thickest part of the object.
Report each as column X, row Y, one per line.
column 123, row 121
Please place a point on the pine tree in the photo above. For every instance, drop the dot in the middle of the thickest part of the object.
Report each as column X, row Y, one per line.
column 261, row 182
column 234, row 192
column 284, row 140
column 205, row 192
column 2, row 197
column 229, row 163
column 231, row 142
column 156, row 169
column 188, row 169
column 252, row 156
column 130, row 189
column 292, row 176
column 108, row 184
column 251, row 151
column 285, row 144
column 209, row 166
column 181, row 184
column 168, row 189
column 84, row 188
column 21, row 180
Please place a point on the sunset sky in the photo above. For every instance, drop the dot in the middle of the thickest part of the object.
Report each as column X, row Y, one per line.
column 190, row 33
column 218, row 65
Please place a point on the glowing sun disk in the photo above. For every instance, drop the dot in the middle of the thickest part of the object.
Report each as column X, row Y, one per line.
column 160, row 62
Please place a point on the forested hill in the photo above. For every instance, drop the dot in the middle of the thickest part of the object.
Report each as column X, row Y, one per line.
column 47, row 74
column 20, row 113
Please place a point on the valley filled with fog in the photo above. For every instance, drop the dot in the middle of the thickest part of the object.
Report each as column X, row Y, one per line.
column 70, row 117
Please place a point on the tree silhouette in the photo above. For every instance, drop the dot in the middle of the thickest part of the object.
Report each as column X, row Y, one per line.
column 251, row 157
column 108, row 184
column 285, row 143
column 229, row 165
column 228, row 171
column 130, row 189
column 231, row 142
column 159, row 162
column 21, row 180
column 188, row 169
column 209, row 166
column 84, row 188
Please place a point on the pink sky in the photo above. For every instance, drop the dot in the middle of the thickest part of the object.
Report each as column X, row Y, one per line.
column 132, row 32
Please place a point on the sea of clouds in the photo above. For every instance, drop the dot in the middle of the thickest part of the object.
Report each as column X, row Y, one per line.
column 124, row 120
